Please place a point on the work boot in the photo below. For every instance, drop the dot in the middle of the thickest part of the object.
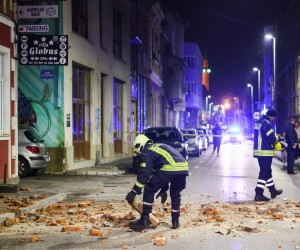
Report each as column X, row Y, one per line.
column 276, row 192
column 175, row 222
column 261, row 197
column 142, row 223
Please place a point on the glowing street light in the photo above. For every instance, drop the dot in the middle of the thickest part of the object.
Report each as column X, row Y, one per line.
column 249, row 85
column 268, row 37
column 206, row 107
column 209, row 109
column 258, row 84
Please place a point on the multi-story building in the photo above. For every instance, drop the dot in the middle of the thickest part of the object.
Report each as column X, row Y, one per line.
column 288, row 70
column 140, row 68
column 8, row 95
column 82, row 104
column 173, row 68
column 193, row 85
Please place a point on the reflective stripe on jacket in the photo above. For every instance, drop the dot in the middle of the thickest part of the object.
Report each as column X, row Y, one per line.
column 160, row 156
column 264, row 138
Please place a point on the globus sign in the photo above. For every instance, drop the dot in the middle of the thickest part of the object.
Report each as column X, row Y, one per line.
column 43, row 50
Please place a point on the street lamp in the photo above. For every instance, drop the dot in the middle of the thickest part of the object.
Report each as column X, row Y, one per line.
column 249, row 85
column 209, row 109
column 268, row 37
column 258, row 84
column 206, row 107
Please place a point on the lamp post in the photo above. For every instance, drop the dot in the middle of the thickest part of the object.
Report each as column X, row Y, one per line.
column 268, row 37
column 206, row 107
column 249, row 85
column 258, row 85
column 209, row 109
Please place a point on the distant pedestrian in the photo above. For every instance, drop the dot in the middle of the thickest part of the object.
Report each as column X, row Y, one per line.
column 292, row 141
column 264, row 142
column 217, row 137
column 297, row 128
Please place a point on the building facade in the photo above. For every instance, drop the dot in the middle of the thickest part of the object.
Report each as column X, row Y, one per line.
column 83, row 110
column 193, row 86
column 8, row 95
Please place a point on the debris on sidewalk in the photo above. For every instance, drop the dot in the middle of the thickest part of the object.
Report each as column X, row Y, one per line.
column 99, row 218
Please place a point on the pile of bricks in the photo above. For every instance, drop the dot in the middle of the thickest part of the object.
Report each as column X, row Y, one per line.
column 94, row 218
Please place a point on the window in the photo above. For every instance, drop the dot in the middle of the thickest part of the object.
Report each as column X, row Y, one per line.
column 81, row 112
column 191, row 88
column 117, row 34
column 141, row 103
column 190, row 61
column 118, row 116
column 80, row 17
column 101, row 22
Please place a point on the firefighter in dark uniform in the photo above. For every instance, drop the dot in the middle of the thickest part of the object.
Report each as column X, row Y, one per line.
column 169, row 168
column 265, row 142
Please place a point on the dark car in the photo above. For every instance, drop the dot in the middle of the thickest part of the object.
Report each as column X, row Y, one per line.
column 32, row 152
column 168, row 135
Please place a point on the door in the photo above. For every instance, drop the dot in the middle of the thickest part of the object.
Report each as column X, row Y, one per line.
column 81, row 113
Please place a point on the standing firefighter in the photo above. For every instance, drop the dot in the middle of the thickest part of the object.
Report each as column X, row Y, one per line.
column 161, row 165
column 265, row 142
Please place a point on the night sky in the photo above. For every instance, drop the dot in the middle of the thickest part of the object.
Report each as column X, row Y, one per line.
column 230, row 33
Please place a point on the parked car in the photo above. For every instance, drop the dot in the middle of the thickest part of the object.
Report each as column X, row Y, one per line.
column 194, row 141
column 168, row 135
column 233, row 135
column 32, row 153
column 205, row 140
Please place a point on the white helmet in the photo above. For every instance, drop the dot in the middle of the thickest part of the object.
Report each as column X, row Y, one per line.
column 139, row 143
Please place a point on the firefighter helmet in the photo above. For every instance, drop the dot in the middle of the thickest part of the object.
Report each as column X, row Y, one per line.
column 281, row 145
column 139, row 142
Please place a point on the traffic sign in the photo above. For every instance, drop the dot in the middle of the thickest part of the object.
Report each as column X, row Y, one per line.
column 38, row 11
column 33, row 28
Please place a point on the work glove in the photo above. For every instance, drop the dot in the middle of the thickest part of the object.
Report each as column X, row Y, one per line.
column 163, row 194
column 130, row 196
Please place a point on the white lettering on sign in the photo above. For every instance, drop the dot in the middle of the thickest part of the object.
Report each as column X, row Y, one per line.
column 42, row 11
column 33, row 28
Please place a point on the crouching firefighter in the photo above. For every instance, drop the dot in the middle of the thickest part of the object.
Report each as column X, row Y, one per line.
column 170, row 168
column 265, row 142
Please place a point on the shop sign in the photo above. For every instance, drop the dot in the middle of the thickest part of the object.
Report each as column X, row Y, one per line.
column 43, row 50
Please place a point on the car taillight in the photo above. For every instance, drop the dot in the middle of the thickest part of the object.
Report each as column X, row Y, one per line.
column 33, row 149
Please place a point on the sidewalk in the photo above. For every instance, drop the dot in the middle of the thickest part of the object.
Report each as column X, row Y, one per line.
column 15, row 203
column 119, row 167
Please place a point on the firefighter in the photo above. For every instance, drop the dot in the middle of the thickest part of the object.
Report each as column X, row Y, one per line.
column 170, row 168
column 265, row 142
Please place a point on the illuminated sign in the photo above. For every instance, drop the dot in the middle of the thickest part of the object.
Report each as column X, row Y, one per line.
column 43, row 50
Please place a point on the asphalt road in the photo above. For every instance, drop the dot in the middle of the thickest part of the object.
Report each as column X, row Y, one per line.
column 213, row 181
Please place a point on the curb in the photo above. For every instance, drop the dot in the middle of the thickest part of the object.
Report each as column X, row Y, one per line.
column 43, row 203
column 90, row 172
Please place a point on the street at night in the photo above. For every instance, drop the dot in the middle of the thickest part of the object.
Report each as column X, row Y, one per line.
column 217, row 212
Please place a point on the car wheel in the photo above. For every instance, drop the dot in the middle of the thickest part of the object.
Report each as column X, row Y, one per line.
column 23, row 167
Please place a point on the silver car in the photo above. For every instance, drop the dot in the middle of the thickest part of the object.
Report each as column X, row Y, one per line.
column 194, row 141
column 32, row 152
